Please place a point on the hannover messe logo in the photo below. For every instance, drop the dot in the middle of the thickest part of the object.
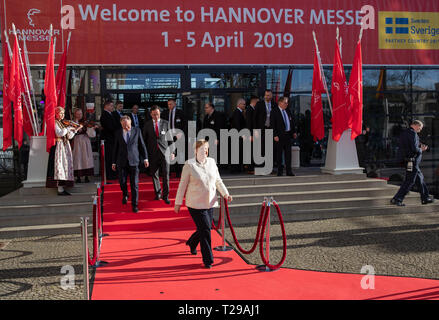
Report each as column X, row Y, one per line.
column 30, row 13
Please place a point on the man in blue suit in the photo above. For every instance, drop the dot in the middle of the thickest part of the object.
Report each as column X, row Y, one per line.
column 411, row 151
column 129, row 148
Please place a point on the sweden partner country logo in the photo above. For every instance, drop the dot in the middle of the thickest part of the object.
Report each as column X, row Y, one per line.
column 409, row 30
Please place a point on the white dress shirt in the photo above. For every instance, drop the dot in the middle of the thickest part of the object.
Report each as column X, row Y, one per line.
column 199, row 183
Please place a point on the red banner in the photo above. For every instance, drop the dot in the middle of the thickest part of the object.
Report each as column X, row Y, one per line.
column 138, row 32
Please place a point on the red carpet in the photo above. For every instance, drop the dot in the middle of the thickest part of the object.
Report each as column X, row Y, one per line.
column 148, row 260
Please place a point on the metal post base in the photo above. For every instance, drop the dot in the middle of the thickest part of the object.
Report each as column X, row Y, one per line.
column 223, row 248
column 264, row 268
column 99, row 264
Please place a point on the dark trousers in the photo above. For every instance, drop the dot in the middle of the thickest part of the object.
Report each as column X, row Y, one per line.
column 283, row 146
column 412, row 178
column 110, row 174
column 133, row 172
column 159, row 164
column 203, row 220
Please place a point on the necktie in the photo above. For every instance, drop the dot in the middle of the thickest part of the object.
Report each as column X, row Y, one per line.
column 128, row 136
column 287, row 123
column 267, row 120
column 157, row 133
column 136, row 123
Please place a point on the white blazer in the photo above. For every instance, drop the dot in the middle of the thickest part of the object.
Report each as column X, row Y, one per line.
column 199, row 184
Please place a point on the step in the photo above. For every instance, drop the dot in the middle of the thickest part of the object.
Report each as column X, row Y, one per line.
column 41, row 209
column 314, row 195
column 44, row 199
column 239, row 219
column 293, row 206
column 262, row 180
column 44, row 230
column 311, row 186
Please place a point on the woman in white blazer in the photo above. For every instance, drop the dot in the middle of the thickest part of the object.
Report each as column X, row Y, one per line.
column 200, row 179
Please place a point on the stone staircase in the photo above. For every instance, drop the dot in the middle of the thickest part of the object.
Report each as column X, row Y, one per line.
column 39, row 211
column 312, row 196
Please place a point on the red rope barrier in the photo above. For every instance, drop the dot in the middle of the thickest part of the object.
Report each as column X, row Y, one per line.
column 284, row 238
column 257, row 232
column 219, row 218
column 260, row 233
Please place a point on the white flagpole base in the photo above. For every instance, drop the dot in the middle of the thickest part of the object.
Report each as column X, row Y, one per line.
column 37, row 168
column 341, row 156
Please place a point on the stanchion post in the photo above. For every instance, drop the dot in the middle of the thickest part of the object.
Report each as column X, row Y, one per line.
column 98, row 263
column 263, row 267
column 224, row 247
column 84, row 225
column 104, row 172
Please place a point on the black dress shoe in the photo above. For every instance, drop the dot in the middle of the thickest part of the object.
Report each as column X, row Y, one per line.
column 135, row 209
column 78, row 180
column 208, row 266
column 279, row 174
column 158, row 197
column 166, row 200
column 427, row 201
column 193, row 250
column 397, row 203
column 87, row 180
column 64, row 193
column 291, row 174
column 125, row 200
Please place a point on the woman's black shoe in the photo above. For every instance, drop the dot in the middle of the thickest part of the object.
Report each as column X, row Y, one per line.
column 193, row 250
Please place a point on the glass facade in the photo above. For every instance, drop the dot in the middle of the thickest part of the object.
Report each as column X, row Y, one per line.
column 393, row 96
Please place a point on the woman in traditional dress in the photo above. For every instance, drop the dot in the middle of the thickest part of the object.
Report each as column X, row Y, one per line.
column 60, row 164
column 82, row 152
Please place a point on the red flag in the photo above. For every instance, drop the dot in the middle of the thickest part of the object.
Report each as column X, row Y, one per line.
column 27, row 102
column 7, row 113
column 61, row 79
column 287, row 89
column 356, row 94
column 51, row 99
column 317, row 124
column 15, row 90
column 340, row 97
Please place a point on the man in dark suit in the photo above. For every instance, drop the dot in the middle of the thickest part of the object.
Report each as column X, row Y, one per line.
column 108, row 128
column 411, row 152
column 129, row 148
column 237, row 122
column 176, row 120
column 250, row 123
column 117, row 114
column 216, row 121
column 154, row 133
column 136, row 119
column 262, row 119
column 281, row 121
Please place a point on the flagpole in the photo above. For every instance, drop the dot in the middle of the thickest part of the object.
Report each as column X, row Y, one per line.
column 30, row 115
column 321, row 70
column 45, row 105
column 26, row 57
